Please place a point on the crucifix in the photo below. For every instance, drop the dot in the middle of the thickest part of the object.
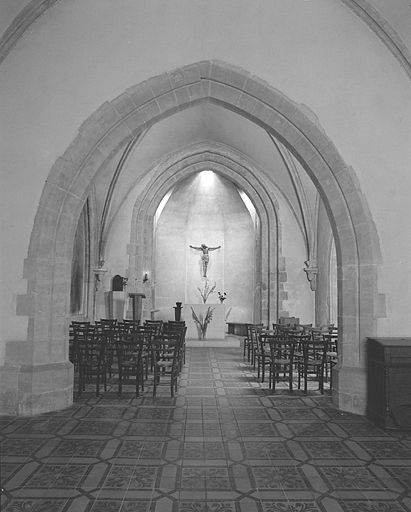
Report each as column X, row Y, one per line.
column 205, row 256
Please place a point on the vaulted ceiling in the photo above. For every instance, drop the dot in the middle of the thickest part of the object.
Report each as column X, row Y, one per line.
column 210, row 123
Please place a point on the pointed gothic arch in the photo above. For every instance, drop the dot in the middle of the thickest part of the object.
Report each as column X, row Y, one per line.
column 115, row 124
column 245, row 175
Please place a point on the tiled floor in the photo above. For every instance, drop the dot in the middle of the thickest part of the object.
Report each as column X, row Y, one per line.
column 223, row 444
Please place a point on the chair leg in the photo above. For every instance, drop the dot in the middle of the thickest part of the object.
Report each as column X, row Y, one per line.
column 305, row 380
column 80, row 382
column 98, row 382
column 290, row 378
column 138, row 382
column 155, row 382
column 120, row 383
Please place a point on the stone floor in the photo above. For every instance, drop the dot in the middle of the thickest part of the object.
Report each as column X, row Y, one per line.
column 223, row 444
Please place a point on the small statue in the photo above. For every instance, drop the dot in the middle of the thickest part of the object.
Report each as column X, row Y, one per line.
column 205, row 257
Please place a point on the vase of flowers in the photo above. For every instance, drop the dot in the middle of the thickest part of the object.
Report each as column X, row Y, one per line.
column 222, row 297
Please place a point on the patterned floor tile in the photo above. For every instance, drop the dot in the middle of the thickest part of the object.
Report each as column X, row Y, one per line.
column 224, row 443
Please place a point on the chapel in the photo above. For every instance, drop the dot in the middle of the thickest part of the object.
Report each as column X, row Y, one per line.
column 184, row 149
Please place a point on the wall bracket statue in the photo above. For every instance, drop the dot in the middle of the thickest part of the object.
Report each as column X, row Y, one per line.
column 311, row 272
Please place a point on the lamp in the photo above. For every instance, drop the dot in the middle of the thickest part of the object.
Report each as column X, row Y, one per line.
column 145, row 278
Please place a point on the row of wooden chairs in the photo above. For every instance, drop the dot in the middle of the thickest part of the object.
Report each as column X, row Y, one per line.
column 128, row 349
column 292, row 351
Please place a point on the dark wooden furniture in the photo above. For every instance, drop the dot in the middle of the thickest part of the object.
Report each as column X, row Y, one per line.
column 389, row 382
column 237, row 328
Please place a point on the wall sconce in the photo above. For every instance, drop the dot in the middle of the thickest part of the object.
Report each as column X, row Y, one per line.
column 145, row 278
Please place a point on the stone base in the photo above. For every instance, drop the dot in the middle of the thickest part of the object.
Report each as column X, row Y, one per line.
column 350, row 389
column 229, row 341
column 28, row 390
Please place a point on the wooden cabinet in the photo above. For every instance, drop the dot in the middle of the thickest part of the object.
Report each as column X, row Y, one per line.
column 389, row 382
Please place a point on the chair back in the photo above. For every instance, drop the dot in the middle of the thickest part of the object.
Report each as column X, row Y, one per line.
column 129, row 348
column 174, row 324
column 91, row 348
column 133, row 324
column 165, row 349
column 105, row 324
column 155, row 325
column 332, row 342
column 77, row 324
column 315, row 351
column 281, row 348
column 108, row 321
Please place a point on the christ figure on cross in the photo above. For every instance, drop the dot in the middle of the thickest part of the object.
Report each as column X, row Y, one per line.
column 205, row 256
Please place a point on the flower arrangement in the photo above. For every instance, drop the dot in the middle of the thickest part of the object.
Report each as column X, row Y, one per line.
column 205, row 292
column 222, row 297
column 201, row 323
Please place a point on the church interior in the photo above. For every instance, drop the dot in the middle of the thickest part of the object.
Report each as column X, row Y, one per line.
column 229, row 163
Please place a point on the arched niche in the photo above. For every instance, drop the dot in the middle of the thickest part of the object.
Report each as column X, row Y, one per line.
column 245, row 176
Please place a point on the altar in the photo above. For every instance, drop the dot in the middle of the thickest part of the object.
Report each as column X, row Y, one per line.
column 204, row 321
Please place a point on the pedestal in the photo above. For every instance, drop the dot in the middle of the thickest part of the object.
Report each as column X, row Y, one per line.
column 137, row 304
column 177, row 311
column 116, row 305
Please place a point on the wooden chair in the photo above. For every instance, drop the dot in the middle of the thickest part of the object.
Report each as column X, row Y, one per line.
column 76, row 330
column 92, row 362
column 263, row 353
column 110, row 330
column 331, row 355
column 255, row 329
column 313, row 362
column 180, row 328
column 129, row 348
column 165, row 350
column 147, row 335
column 247, row 342
column 299, row 338
column 282, row 360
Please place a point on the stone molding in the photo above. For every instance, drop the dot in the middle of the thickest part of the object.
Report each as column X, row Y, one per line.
column 21, row 23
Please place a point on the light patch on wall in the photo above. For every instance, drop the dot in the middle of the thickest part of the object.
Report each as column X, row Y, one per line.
column 207, row 179
column 162, row 204
column 249, row 205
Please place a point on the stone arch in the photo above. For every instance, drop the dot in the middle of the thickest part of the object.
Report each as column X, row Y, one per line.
column 243, row 173
column 117, row 122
